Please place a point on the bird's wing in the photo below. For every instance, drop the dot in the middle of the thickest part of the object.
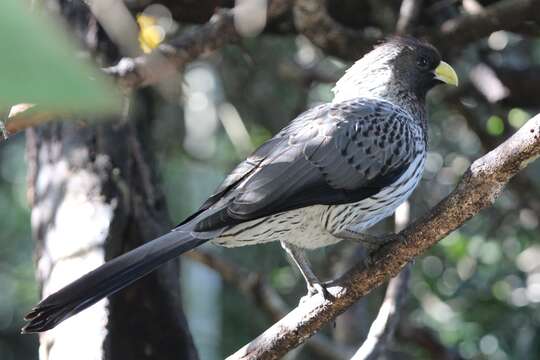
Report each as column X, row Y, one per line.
column 331, row 154
column 253, row 162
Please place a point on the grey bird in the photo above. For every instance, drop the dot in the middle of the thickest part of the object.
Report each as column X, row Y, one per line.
column 333, row 172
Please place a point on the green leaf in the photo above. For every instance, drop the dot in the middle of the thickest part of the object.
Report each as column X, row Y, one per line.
column 495, row 125
column 39, row 64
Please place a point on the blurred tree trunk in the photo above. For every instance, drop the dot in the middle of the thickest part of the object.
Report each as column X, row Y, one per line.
column 94, row 195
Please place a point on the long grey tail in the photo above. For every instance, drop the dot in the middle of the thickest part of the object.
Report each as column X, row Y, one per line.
column 108, row 279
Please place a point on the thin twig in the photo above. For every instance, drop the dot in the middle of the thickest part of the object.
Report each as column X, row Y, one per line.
column 22, row 116
column 382, row 328
column 408, row 14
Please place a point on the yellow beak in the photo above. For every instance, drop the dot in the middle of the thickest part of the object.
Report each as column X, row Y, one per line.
column 445, row 73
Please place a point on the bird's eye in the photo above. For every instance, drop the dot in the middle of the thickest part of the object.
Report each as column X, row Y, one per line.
column 422, row 62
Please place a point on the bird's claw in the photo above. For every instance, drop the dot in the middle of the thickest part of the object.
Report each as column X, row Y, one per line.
column 368, row 260
column 373, row 246
column 316, row 289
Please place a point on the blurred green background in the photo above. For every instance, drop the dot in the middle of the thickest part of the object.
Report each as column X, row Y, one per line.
column 477, row 291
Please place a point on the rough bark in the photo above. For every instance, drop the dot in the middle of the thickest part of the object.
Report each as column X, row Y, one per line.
column 94, row 195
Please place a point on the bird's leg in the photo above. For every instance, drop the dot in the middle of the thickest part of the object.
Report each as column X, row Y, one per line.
column 298, row 255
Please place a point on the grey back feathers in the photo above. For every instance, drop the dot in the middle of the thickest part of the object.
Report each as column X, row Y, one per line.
column 334, row 154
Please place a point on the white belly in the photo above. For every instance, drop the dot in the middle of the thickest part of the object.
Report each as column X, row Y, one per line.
column 301, row 227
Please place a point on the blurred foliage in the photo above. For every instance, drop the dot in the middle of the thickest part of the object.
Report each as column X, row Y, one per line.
column 495, row 125
column 478, row 290
column 150, row 35
column 38, row 66
column 17, row 282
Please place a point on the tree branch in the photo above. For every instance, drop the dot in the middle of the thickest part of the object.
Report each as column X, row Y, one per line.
column 146, row 69
column 478, row 189
column 382, row 328
column 149, row 69
column 502, row 15
column 173, row 55
column 20, row 117
column 176, row 53
column 408, row 14
column 312, row 20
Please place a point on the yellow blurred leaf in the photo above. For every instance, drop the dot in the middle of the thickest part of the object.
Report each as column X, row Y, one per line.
column 151, row 34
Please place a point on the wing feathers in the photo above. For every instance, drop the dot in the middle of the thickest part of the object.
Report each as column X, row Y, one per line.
column 332, row 154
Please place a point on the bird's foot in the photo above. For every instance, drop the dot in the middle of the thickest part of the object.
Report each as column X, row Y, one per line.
column 314, row 285
column 316, row 289
column 373, row 245
column 369, row 259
